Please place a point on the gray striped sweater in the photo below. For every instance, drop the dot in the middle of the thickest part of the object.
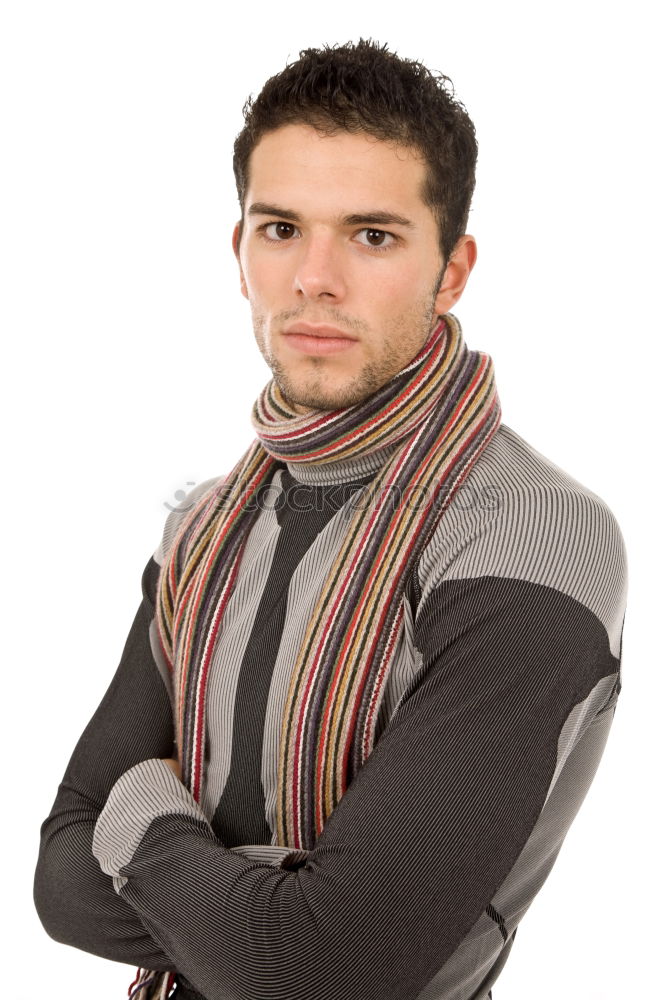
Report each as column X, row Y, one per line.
column 493, row 722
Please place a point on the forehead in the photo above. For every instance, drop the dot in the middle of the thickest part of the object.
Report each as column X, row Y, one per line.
column 296, row 161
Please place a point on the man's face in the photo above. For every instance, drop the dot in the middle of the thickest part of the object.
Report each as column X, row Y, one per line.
column 337, row 241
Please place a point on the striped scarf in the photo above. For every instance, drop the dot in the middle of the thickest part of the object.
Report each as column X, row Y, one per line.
column 439, row 413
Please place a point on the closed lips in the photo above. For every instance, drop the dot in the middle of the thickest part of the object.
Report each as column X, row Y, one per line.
column 318, row 331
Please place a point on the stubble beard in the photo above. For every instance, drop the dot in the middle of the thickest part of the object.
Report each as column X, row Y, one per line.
column 311, row 391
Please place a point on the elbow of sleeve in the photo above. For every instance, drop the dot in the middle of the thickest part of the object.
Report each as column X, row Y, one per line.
column 44, row 903
column 60, row 901
column 57, row 901
column 78, row 906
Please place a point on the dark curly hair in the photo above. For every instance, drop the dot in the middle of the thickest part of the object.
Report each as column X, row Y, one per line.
column 365, row 88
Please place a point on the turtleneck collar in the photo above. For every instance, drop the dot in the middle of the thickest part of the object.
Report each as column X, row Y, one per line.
column 345, row 471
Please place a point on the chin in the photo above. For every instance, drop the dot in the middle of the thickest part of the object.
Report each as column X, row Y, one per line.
column 341, row 400
column 322, row 393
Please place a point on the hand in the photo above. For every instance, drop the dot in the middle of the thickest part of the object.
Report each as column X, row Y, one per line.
column 174, row 765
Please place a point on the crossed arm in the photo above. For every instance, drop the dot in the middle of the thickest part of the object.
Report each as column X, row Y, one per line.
column 75, row 900
column 131, row 869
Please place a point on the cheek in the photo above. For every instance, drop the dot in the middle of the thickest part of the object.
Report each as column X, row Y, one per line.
column 397, row 283
column 253, row 271
column 267, row 283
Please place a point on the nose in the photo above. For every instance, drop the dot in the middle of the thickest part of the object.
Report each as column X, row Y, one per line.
column 319, row 269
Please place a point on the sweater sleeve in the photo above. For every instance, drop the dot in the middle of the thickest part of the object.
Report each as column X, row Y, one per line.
column 429, row 831
column 75, row 900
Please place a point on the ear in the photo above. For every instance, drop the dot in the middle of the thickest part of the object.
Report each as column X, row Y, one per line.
column 235, row 243
column 457, row 272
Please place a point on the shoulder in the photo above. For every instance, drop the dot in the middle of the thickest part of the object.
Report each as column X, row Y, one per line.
column 177, row 514
column 519, row 516
column 207, row 488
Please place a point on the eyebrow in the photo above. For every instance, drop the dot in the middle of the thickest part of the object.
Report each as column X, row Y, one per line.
column 373, row 217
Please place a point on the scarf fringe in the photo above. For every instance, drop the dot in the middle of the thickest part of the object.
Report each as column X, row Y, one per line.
column 149, row 985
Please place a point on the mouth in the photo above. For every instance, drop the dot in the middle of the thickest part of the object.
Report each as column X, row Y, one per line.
column 318, row 338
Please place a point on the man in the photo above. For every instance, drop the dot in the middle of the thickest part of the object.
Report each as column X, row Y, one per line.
column 386, row 645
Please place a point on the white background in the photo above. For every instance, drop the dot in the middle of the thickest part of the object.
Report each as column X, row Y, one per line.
column 129, row 369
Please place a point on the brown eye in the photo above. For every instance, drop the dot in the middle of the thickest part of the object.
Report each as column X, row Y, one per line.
column 377, row 238
column 280, row 230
